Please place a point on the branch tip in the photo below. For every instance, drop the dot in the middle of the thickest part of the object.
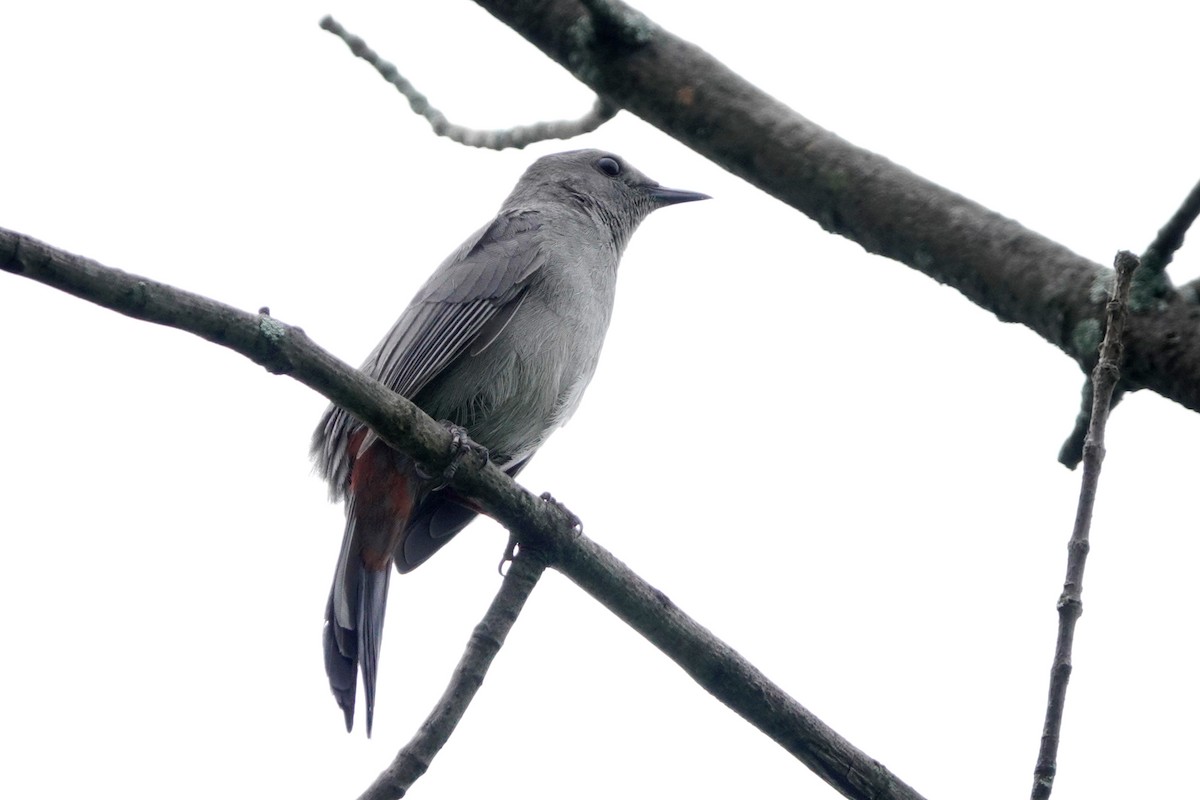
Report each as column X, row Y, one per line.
column 1170, row 237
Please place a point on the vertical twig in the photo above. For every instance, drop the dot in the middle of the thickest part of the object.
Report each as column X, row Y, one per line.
column 415, row 757
column 1070, row 604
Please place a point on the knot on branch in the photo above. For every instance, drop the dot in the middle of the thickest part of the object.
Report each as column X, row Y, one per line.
column 617, row 27
column 270, row 345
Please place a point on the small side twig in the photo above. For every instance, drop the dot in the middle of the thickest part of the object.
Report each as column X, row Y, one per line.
column 1170, row 238
column 518, row 137
column 1152, row 286
column 1151, row 282
column 485, row 642
column 1070, row 604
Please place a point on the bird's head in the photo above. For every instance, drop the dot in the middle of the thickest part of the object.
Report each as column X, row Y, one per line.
column 602, row 184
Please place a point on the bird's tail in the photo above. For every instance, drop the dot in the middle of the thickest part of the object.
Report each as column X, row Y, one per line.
column 384, row 488
column 348, row 647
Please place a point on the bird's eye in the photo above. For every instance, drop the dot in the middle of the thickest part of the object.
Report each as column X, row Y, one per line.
column 609, row 166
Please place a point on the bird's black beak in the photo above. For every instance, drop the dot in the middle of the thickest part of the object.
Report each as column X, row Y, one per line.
column 668, row 197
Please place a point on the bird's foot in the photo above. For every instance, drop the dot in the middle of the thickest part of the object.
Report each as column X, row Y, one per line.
column 510, row 552
column 513, row 547
column 462, row 445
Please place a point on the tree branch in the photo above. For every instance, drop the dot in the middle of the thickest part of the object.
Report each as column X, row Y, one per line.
column 545, row 527
column 486, row 640
column 518, row 137
column 1150, row 285
column 1001, row 266
column 1070, row 604
column 727, row 676
column 1170, row 237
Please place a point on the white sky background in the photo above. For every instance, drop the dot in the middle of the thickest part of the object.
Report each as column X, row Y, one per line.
column 842, row 468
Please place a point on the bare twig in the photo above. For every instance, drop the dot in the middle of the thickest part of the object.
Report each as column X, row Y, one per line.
column 1070, row 603
column 486, row 640
column 518, row 137
column 1149, row 283
column 540, row 525
column 1170, row 238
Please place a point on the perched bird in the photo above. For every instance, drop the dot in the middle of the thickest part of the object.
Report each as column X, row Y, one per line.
column 501, row 340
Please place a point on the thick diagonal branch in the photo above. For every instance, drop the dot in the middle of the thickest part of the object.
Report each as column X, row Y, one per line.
column 1017, row 274
column 543, row 526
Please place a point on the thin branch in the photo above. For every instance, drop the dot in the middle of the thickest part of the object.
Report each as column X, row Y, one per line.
column 1149, row 283
column 1070, row 604
column 540, row 525
column 286, row 350
column 1170, row 238
column 995, row 262
column 485, row 642
column 518, row 137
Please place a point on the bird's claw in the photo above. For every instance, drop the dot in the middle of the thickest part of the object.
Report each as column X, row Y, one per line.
column 513, row 547
column 462, row 444
column 510, row 552
column 576, row 522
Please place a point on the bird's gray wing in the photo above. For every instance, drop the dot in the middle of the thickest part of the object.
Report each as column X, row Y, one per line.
column 464, row 304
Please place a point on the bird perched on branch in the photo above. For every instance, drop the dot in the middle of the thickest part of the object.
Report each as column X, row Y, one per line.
column 501, row 341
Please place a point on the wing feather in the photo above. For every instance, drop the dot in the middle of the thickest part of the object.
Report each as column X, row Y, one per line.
column 483, row 279
column 460, row 310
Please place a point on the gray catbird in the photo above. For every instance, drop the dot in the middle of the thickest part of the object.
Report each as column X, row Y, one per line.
column 501, row 340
